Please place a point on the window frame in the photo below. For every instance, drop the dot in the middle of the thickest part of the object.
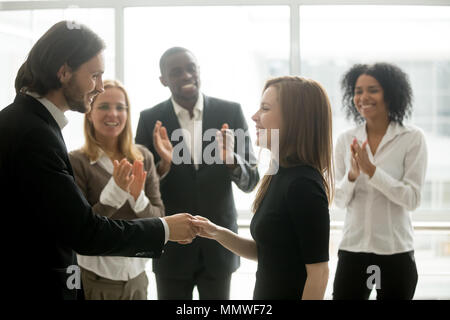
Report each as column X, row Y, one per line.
column 439, row 216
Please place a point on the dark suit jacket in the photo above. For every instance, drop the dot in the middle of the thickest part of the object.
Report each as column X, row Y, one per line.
column 48, row 214
column 206, row 191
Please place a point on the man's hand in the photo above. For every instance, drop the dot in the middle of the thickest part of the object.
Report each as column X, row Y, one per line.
column 162, row 143
column 225, row 138
column 181, row 228
column 163, row 147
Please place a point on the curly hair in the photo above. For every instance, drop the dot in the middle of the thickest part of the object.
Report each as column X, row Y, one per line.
column 396, row 86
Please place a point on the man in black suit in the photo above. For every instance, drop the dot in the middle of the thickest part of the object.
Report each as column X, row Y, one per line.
column 41, row 203
column 196, row 175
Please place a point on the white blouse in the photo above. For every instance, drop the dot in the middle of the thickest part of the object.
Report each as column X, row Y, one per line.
column 378, row 218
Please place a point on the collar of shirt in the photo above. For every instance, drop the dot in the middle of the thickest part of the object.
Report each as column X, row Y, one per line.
column 394, row 129
column 198, row 108
column 56, row 113
column 105, row 162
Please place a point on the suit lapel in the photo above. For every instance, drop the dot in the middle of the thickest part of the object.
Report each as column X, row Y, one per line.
column 209, row 121
column 37, row 108
column 170, row 121
column 40, row 110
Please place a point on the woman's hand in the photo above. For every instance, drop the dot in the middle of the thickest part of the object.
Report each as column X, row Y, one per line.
column 354, row 172
column 238, row 245
column 362, row 158
column 138, row 183
column 121, row 174
column 205, row 228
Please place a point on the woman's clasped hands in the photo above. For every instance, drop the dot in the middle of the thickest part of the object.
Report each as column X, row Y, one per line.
column 360, row 161
column 130, row 177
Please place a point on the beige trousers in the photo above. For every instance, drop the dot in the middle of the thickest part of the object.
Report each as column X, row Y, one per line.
column 98, row 288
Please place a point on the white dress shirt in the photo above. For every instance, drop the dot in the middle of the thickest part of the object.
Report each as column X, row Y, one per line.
column 193, row 134
column 56, row 113
column 378, row 218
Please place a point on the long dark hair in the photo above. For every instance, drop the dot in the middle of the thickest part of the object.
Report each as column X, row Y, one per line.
column 306, row 132
column 65, row 42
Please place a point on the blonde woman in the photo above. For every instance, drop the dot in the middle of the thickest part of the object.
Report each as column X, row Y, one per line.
column 119, row 180
column 290, row 227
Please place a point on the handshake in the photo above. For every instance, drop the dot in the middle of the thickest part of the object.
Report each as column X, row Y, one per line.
column 183, row 227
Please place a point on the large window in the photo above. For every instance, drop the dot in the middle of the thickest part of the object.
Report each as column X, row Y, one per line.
column 240, row 46
column 333, row 38
column 19, row 30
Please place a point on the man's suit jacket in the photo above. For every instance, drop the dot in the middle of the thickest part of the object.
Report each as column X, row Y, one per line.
column 47, row 213
column 206, row 191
